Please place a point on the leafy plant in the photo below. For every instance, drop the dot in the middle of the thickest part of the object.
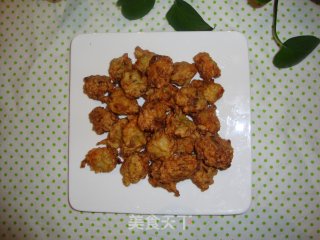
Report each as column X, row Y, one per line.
column 135, row 9
column 295, row 49
column 183, row 17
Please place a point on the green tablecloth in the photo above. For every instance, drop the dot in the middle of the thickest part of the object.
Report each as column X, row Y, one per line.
column 35, row 40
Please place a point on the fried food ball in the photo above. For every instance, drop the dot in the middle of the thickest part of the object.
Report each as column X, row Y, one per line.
column 154, row 181
column 183, row 72
column 207, row 120
column 212, row 91
column 120, row 104
column 133, row 138
column 159, row 71
column 102, row 120
column 203, row 177
column 179, row 125
column 186, row 145
column 160, row 145
column 190, row 99
column 134, row 168
column 101, row 159
column 165, row 94
column 118, row 66
column 133, row 83
column 214, row 151
column 114, row 138
column 173, row 169
column 206, row 66
column 96, row 86
column 143, row 58
column 177, row 168
column 152, row 115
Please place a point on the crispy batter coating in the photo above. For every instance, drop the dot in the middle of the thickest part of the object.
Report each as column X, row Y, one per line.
column 143, row 58
column 120, row 104
column 214, row 151
column 173, row 169
column 101, row 159
column 165, row 94
column 152, row 115
column 186, row 145
column 190, row 99
column 177, row 168
column 154, row 181
column 203, row 177
column 118, row 66
column 133, row 138
column 207, row 120
column 161, row 145
column 179, row 125
column 134, row 84
column 114, row 138
column 96, row 86
column 206, row 66
column 134, row 168
column 159, row 71
column 183, row 72
column 212, row 91
column 102, row 120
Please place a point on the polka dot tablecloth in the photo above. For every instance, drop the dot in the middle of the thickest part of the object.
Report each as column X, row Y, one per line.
column 35, row 40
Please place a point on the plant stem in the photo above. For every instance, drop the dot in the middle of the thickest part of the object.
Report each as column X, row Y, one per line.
column 274, row 23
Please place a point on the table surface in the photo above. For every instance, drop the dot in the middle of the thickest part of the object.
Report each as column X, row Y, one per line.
column 35, row 40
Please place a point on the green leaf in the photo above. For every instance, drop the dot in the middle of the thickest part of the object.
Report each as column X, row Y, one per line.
column 182, row 17
column 294, row 50
column 135, row 9
column 263, row 1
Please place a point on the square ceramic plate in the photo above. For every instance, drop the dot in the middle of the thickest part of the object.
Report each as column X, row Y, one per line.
column 231, row 192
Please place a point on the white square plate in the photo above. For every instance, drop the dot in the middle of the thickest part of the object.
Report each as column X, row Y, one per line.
column 231, row 192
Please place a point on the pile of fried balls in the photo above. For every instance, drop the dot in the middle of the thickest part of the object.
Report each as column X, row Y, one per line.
column 173, row 135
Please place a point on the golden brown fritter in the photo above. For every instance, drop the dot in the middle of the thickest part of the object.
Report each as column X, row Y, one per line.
column 190, row 99
column 165, row 94
column 101, row 159
column 212, row 91
column 114, row 138
column 159, row 71
column 133, row 138
column 118, row 66
column 203, row 177
column 134, row 168
column 179, row 125
column 214, row 151
column 160, row 145
column 153, row 174
column 134, row 84
column 183, row 72
column 96, row 86
column 120, row 104
column 186, row 145
column 207, row 120
column 177, row 168
column 102, row 120
column 173, row 169
column 143, row 58
column 152, row 115
column 206, row 66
